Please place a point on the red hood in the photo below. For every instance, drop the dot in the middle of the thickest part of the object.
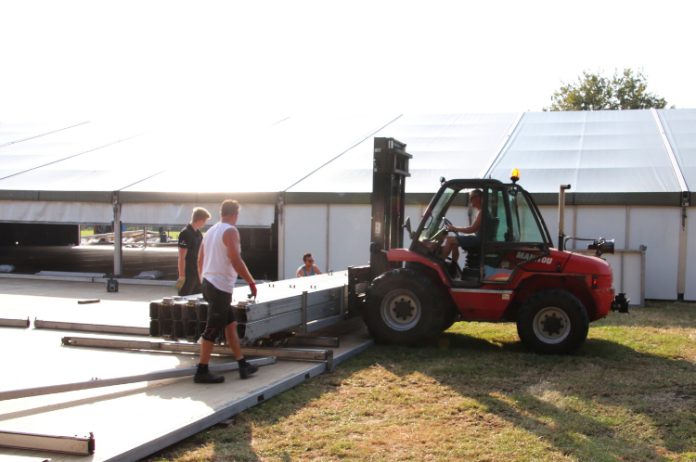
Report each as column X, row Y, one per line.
column 569, row 262
column 586, row 264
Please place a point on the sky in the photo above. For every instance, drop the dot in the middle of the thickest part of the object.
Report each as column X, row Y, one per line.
column 174, row 59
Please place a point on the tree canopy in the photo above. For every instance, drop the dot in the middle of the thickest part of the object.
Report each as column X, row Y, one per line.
column 625, row 90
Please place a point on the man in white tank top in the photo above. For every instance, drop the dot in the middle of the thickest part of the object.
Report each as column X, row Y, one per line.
column 219, row 263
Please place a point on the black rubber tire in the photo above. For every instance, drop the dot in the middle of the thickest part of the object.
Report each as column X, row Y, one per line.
column 553, row 322
column 405, row 307
column 451, row 316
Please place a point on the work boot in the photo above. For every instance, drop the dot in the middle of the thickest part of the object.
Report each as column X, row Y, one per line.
column 246, row 369
column 203, row 375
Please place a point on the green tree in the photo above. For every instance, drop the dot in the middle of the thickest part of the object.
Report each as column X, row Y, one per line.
column 627, row 90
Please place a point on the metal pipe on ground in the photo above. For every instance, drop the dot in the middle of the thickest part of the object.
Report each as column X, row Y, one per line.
column 299, row 354
column 86, row 327
column 308, row 340
column 6, row 322
column 81, row 446
column 149, row 376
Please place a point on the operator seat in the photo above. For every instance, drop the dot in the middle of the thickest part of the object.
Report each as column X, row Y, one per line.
column 473, row 254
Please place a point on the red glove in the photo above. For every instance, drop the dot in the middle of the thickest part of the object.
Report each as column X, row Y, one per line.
column 252, row 288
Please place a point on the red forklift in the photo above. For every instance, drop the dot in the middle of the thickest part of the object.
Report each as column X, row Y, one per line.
column 512, row 273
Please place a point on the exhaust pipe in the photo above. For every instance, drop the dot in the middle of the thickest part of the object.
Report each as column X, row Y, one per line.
column 561, row 216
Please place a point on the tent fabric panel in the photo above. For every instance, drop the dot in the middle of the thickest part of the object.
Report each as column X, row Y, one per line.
column 34, row 211
column 18, row 131
column 55, row 212
column 306, row 230
column 269, row 159
column 56, row 196
column 78, row 179
column 262, row 215
column 690, row 289
column 658, row 228
column 600, row 151
column 627, row 276
column 454, row 146
column 680, row 128
column 48, row 152
column 610, row 178
column 631, row 227
column 603, row 198
column 131, row 197
column 607, row 222
column 349, row 236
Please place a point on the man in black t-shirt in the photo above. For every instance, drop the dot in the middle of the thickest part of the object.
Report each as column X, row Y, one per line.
column 190, row 239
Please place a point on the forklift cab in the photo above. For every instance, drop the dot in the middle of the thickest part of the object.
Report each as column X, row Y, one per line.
column 511, row 233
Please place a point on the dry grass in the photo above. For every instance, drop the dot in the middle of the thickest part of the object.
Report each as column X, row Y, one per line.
column 628, row 395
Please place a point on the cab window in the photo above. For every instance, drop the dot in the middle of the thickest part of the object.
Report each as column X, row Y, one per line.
column 525, row 226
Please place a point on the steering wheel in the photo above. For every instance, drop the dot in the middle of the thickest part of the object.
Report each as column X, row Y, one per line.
column 452, row 267
column 440, row 234
column 446, row 223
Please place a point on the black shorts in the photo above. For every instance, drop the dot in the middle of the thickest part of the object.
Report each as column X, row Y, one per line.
column 192, row 285
column 220, row 313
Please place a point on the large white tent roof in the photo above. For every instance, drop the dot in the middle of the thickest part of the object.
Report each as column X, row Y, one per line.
column 644, row 156
column 453, row 146
column 680, row 127
column 615, row 156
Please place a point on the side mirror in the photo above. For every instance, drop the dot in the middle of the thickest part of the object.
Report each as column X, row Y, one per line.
column 407, row 227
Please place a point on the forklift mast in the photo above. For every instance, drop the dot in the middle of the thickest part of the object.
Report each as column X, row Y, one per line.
column 390, row 169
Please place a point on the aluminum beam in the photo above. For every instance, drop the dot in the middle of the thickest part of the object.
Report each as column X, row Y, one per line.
column 308, row 340
column 6, row 322
column 81, row 446
column 293, row 306
column 150, row 376
column 301, row 354
column 83, row 327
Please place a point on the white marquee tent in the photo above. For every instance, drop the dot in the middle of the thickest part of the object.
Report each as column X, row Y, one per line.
column 632, row 176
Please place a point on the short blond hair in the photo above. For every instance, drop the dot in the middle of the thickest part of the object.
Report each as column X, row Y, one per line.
column 199, row 213
column 229, row 207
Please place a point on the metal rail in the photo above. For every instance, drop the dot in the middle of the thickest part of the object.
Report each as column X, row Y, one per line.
column 108, row 382
column 300, row 354
column 81, row 446
column 85, row 327
column 6, row 322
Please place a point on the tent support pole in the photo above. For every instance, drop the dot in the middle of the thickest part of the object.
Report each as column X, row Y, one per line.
column 118, row 244
column 280, row 231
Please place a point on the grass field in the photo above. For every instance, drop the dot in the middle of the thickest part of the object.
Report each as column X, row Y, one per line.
column 629, row 394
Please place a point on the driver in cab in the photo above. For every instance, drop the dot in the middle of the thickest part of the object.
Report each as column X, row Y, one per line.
column 471, row 236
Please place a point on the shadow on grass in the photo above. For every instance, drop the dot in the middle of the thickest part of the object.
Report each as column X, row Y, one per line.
column 583, row 404
column 606, row 402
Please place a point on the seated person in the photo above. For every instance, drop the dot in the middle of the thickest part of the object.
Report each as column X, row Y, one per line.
column 472, row 239
column 309, row 268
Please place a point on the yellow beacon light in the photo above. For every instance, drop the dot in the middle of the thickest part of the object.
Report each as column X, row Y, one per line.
column 515, row 175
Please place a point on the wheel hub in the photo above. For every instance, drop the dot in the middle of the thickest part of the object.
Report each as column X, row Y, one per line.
column 551, row 325
column 403, row 309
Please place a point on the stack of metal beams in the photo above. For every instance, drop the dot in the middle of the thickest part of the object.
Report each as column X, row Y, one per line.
column 301, row 305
